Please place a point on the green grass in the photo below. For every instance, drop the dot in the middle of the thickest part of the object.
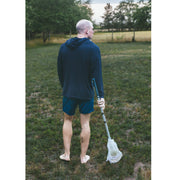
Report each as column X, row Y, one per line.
column 127, row 85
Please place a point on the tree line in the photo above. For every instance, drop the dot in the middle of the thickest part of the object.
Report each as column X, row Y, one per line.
column 128, row 15
column 61, row 16
column 54, row 16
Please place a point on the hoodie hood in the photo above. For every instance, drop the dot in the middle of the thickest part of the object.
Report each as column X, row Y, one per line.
column 73, row 43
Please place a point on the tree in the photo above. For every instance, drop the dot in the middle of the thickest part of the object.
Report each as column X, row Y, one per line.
column 119, row 16
column 123, row 14
column 108, row 17
column 73, row 13
column 131, row 8
column 133, row 17
column 42, row 15
column 142, row 17
column 28, row 20
column 60, row 16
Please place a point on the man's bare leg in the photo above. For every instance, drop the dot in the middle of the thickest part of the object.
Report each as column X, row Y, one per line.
column 67, row 134
column 85, row 136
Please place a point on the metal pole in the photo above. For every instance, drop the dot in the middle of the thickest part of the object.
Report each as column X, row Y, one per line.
column 102, row 112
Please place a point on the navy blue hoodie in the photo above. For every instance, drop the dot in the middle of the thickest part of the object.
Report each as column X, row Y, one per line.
column 79, row 61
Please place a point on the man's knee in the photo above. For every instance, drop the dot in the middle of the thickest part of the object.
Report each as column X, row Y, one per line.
column 85, row 126
column 85, row 118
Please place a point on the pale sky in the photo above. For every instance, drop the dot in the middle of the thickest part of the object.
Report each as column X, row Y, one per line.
column 98, row 8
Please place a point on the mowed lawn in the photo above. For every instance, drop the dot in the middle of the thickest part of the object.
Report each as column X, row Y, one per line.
column 127, row 85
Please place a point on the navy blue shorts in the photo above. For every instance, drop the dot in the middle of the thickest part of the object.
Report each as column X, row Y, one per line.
column 70, row 104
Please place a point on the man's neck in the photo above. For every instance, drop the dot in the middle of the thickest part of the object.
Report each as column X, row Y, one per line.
column 81, row 35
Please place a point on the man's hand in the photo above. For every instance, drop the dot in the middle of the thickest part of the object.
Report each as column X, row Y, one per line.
column 101, row 103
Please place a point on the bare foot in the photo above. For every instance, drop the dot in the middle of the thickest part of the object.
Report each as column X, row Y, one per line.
column 85, row 159
column 64, row 157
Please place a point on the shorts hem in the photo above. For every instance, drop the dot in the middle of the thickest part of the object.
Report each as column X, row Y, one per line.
column 88, row 112
column 69, row 113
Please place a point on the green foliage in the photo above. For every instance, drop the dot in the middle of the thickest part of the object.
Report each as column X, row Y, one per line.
column 119, row 16
column 129, row 8
column 58, row 16
column 128, row 15
column 127, row 84
column 142, row 18
column 108, row 16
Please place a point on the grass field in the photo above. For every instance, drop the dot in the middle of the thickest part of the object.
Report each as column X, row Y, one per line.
column 127, row 84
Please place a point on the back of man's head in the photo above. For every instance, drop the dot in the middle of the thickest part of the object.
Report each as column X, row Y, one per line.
column 82, row 25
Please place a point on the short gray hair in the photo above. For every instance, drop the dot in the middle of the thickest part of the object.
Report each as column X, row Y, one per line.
column 82, row 25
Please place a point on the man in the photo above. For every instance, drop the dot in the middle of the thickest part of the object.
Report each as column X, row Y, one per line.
column 79, row 61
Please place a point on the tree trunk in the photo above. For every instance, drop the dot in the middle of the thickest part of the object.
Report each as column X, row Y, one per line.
column 49, row 36
column 29, row 35
column 70, row 33
column 44, row 37
column 133, row 38
column 112, row 35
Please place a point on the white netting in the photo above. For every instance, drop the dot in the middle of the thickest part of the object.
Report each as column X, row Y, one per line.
column 114, row 154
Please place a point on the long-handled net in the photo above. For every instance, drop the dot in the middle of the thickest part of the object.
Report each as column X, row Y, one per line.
column 114, row 154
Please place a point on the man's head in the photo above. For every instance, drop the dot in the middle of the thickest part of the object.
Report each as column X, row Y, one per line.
column 85, row 28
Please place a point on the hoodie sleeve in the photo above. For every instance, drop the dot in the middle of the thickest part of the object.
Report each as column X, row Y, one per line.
column 60, row 67
column 96, row 70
